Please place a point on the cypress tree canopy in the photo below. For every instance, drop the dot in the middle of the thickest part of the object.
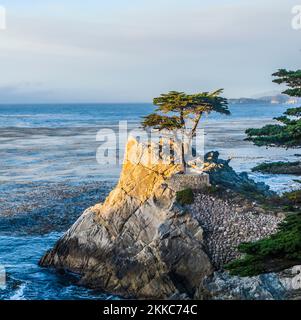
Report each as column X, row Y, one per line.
column 288, row 132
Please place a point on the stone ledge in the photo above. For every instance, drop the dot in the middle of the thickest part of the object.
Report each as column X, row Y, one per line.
column 180, row 182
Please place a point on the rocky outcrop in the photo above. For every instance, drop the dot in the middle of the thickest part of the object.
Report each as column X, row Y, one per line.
column 271, row 286
column 141, row 243
column 293, row 168
column 179, row 182
column 138, row 243
column 221, row 173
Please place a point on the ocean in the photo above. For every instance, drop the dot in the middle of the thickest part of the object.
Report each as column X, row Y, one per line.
column 49, row 174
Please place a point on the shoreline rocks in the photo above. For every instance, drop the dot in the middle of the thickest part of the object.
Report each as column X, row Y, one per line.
column 227, row 224
column 293, row 168
column 270, row 286
column 221, row 173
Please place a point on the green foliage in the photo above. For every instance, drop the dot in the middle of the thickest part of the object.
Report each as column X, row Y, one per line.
column 287, row 136
column 161, row 122
column 294, row 197
column 287, row 202
column 178, row 110
column 280, row 251
column 288, row 133
column 213, row 189
column 192, row 103
column 283, row 249
column 185, row 196
column 292, row 79
column 185, row 107
column 295, row 112
column 279, row 167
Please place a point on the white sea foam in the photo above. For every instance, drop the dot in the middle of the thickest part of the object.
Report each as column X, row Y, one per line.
column 19, row 293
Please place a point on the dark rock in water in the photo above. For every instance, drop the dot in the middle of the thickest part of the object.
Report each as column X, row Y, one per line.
column 221, row 173
column 293, row 168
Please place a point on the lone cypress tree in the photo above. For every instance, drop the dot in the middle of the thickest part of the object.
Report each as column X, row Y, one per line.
column 288, row 133
column 181, row 111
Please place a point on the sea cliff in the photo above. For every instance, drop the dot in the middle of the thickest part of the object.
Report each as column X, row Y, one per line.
column 141, row 243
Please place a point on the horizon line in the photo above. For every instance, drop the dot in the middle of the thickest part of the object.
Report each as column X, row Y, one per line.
column 101, row 102
column 51, row 103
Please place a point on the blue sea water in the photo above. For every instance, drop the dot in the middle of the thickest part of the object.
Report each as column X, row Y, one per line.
column 49, row 175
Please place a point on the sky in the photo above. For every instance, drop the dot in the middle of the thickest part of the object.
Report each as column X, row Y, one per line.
column 132, row 51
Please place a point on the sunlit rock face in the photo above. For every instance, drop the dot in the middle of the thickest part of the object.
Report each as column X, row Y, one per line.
column 139, row 242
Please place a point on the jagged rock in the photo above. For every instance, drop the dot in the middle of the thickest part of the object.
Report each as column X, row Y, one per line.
column 270, row 286
column 138, row 243
column 178, row 182
column 222, row 174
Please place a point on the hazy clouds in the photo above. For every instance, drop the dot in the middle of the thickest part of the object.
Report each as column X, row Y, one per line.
column 132, row 51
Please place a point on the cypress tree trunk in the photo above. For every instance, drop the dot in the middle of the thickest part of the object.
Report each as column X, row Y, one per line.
column 182, row 142
column 184, row 165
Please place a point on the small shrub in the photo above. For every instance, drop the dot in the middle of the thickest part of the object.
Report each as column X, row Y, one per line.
column 288, row 201
column 185, row 196
column 213, row 189
column 293, row 196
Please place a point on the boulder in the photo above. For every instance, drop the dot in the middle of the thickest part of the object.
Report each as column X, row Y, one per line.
column 221, row 173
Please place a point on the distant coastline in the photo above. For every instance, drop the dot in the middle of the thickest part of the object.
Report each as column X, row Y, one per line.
column 276, row 99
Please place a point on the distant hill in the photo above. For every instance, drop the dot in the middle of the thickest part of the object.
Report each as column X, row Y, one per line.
column 276, row 99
